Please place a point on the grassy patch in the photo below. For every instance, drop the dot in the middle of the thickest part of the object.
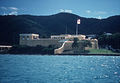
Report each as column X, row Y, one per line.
column 100, row 51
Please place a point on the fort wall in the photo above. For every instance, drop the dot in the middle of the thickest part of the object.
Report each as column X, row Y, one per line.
column 59, row 41
column 42, row 42
column 94, row 43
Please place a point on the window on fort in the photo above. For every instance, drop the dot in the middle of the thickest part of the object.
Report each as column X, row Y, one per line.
column 27, row 37
column 62, row 37
column 23, row 37
column 55, row 37
column 35, row 37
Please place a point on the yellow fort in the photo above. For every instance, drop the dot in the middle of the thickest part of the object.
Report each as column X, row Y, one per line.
column 63, row 42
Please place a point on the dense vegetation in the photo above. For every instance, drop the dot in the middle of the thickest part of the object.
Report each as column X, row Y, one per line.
column 110, row 41
column 12, row 26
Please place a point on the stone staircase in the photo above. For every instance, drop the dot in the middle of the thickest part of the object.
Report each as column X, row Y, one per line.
column 67, row 45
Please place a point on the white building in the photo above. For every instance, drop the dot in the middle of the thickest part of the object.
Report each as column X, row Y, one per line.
column 29, row 36
column 81, row 37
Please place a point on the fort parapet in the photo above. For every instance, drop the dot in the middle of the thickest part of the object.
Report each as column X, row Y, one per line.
column 34, row 40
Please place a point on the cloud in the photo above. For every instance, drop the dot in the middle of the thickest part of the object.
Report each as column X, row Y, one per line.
column 61, row 10
column 100, row 12
column 9, row 10
column 66, row 10
column 99, row 17
column 95, row 12
column 4, row 8
column 88, row 11
column 13, row 8
column 69, row 11
column 13, row 13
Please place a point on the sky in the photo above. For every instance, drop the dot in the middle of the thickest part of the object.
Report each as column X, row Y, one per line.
column 85, row 8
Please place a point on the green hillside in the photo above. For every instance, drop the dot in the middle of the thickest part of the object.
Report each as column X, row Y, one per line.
column 12, row 26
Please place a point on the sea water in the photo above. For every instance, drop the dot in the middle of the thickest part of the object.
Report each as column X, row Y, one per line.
column 59, row 69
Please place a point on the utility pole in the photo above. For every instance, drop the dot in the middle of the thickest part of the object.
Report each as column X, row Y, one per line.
column 76, row 29
column 66, row 29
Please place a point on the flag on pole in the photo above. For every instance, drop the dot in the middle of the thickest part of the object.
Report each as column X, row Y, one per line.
column 78, row 21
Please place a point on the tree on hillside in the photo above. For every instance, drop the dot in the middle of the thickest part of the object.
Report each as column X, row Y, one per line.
column 75, row 43
column 109, row 40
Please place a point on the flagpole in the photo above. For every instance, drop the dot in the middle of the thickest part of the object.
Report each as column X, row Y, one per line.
column 76, row 29
column 78, row 22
